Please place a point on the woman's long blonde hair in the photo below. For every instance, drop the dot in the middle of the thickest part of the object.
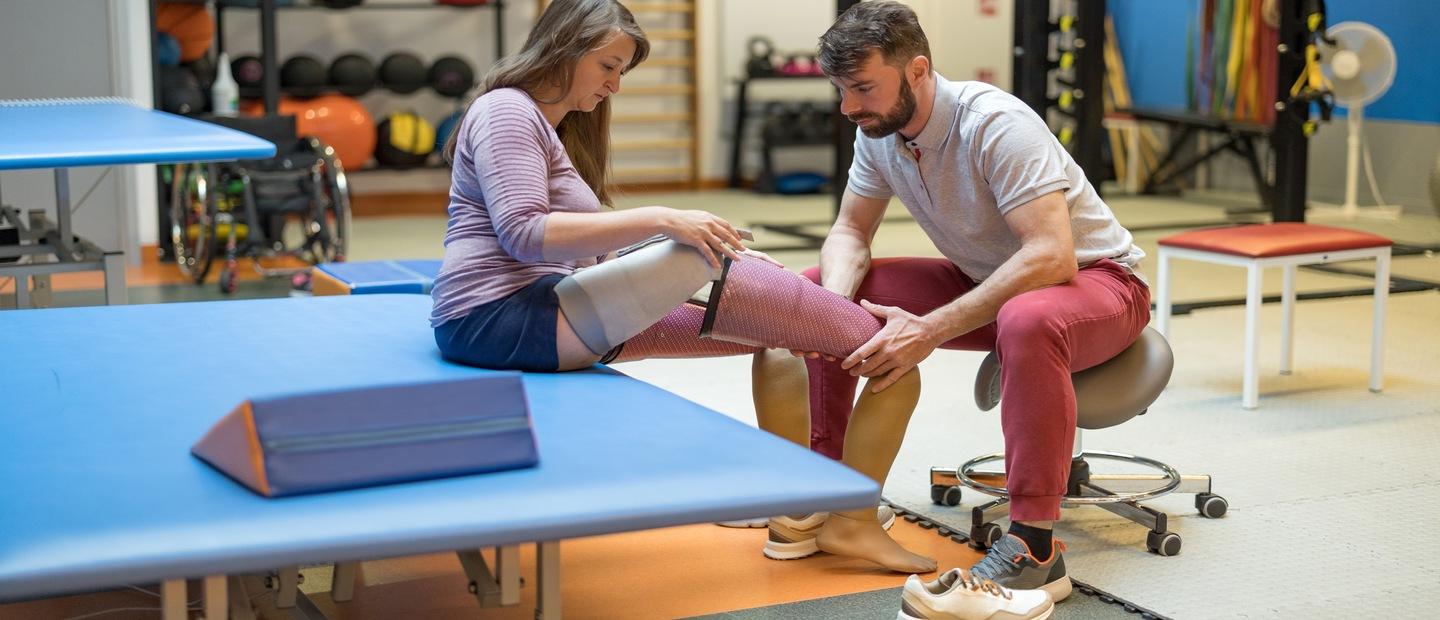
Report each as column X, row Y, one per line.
column 566, row 32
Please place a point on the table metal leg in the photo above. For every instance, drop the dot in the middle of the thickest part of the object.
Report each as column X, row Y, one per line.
column 216, row 605
column 172, row 600
column 547, row 604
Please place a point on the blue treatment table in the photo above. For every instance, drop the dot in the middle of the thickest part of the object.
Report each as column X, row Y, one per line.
column 101, row 490
column 65, row 133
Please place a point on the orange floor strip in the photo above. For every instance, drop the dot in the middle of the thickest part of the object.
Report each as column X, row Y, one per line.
column 667, row 573
column 153, row 272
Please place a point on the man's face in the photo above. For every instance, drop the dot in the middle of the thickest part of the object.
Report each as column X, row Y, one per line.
column 878, row 98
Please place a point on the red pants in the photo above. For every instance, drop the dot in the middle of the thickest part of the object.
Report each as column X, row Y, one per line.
column 1041, row 337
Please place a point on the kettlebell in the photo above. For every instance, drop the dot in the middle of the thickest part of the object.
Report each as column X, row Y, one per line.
column 791, row 68
column 759, row 64
column 813, row 65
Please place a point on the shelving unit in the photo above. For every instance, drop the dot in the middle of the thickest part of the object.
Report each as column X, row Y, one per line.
column 742, row 117
column 268, row 11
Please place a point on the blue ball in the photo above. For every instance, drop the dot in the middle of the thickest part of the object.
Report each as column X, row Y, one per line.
column 443, row 129
column 168, row 51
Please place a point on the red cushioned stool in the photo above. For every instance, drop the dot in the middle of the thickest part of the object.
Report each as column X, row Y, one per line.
column 1285, row 245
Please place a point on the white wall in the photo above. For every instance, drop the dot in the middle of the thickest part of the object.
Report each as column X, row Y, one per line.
column 969, row 39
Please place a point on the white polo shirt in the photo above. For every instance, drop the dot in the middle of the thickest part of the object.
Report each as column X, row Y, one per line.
column 982, row 153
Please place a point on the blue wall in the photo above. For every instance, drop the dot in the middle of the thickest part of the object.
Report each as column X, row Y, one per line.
column 1153, row 36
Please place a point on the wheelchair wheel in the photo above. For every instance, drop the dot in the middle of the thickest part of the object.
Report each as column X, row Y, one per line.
column 192, row 219
column 327, row 234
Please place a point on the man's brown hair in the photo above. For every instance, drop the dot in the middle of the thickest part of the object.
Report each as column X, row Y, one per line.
column 888, row 27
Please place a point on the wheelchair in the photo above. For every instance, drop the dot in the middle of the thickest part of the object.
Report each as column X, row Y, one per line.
column 296, row 204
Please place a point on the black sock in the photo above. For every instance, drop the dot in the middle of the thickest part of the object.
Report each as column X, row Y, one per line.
column 1038, row 539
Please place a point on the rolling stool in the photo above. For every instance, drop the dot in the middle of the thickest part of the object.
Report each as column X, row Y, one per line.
column 1105, row 395
column 1286, row 245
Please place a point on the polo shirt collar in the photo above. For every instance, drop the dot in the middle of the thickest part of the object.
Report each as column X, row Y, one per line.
column 938, row 126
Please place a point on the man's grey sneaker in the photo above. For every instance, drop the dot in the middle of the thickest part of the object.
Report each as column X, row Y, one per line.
column 1010, row 564
column 792, row 538
column 958, row 595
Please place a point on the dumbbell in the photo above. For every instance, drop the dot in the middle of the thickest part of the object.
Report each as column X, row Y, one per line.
column 774, row 128
column 815, row 121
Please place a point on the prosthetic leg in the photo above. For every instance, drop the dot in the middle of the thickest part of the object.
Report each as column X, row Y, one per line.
column 758, row 303
column 639, row 301
column 781, row 388
column 877, row 428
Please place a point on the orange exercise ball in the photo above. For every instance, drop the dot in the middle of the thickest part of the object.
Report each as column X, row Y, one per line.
column 337, row 120
column 190, row 24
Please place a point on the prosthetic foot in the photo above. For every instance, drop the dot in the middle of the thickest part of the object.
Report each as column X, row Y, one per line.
column 865, row 539
column 877, row 428
column 760, row 304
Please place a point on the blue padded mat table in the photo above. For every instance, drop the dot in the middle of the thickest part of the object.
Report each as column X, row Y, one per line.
column 379, row 276
column 65, row 133
column 101, row 489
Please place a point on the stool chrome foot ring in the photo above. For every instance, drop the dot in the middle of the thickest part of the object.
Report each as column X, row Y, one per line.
column 1170, row 480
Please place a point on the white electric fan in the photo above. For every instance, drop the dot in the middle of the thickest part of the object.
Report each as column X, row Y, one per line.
column 1359, row 67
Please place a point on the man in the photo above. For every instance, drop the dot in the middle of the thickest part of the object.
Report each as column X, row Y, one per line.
column 1036, row 267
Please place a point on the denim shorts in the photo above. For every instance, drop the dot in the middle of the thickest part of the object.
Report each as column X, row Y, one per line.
column 514, row 333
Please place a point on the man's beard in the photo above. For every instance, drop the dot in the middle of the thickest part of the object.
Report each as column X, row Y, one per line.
column 897, row 117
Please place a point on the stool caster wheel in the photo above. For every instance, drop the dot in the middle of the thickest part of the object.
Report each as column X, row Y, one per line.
column 983, row 536
column 944, row 495
column 1163, row 543
column 1210, row 505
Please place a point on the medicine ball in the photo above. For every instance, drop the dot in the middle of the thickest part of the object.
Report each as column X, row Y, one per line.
column 402, row 72
column 190, row 24
column 446, row 127
column 204, row 70
column 167, row 50
column 339, row 121
column 302, row 76
column 180, row 92
column 352, row 74
column 248, row 72
column 451, row 76
column 403, row 140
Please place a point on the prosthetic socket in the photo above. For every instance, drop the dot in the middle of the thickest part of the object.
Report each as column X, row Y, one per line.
column 615, row 300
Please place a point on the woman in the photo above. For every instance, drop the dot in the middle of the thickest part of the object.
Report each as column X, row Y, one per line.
column 529, row 283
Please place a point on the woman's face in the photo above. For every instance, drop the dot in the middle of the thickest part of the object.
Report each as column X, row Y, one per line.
column 598, row 73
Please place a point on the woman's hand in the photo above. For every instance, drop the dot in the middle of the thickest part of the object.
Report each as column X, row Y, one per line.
column 703, row 231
